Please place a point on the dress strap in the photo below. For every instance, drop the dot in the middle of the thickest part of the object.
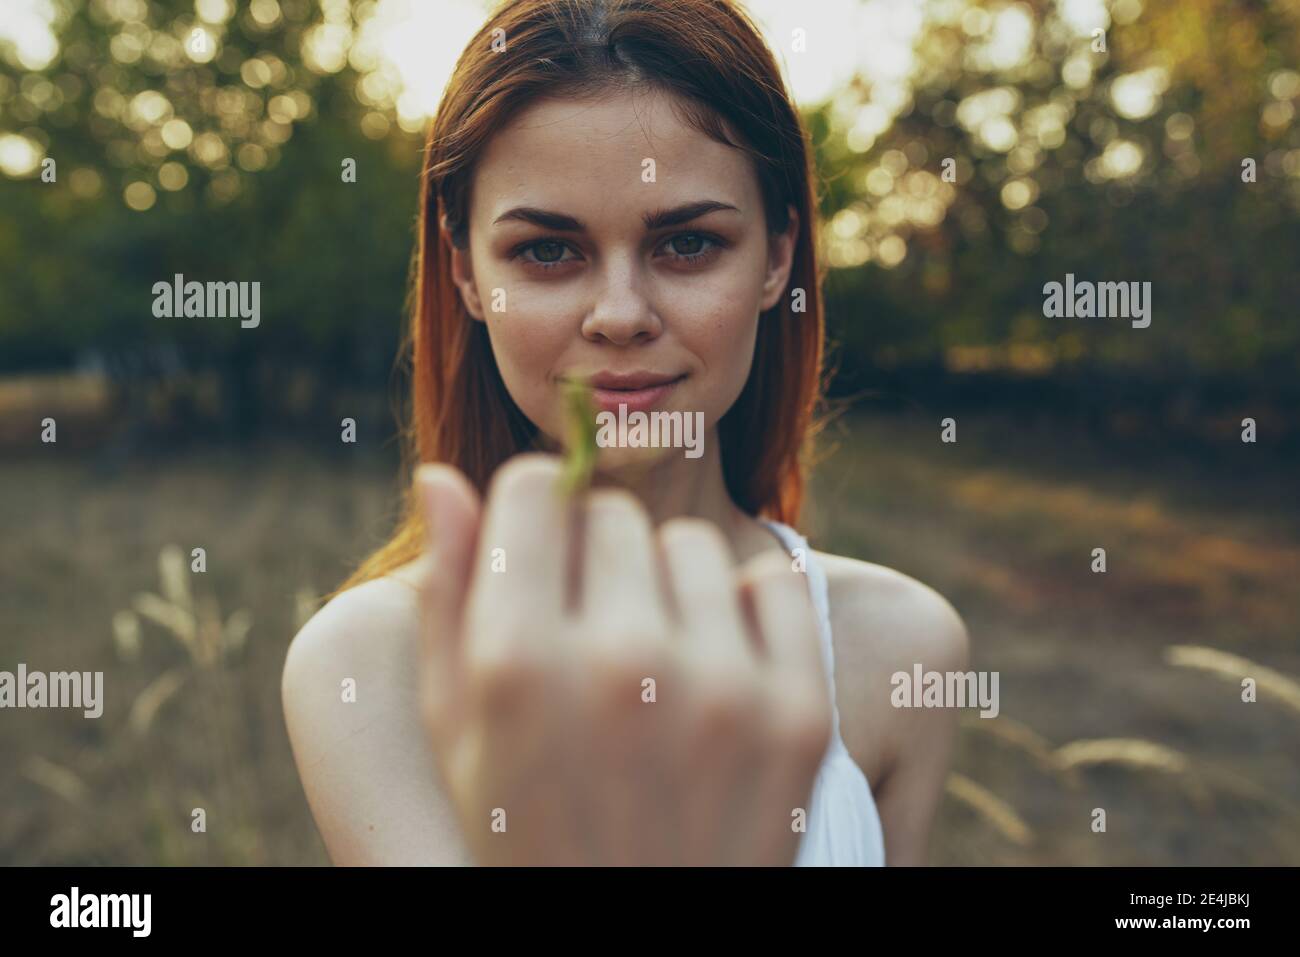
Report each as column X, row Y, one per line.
column 797, row 546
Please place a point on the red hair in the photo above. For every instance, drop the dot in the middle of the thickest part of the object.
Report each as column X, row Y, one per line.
column 725, row 81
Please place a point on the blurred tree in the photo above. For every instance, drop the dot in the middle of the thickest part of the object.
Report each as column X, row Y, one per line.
column 1117, row 164
column 1024, row 141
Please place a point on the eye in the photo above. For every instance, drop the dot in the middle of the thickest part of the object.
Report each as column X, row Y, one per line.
column 698, row 247
column 690, row 249
column 548, row 253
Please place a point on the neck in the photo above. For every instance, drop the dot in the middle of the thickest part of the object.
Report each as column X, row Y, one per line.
column 673, row 486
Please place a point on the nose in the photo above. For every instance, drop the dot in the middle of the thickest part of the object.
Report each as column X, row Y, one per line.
column 622, row 313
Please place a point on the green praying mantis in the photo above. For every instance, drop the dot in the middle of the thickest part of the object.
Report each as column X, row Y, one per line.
column 580, row 437
column 581, row 440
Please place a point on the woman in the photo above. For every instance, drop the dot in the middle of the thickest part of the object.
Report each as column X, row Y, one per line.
column 659, row 671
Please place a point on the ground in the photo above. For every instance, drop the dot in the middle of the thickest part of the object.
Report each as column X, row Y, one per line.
column 1003, row 523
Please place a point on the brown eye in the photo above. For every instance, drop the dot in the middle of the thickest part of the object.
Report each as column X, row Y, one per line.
column 693, row 249
column 691, row 240
column 543, row 250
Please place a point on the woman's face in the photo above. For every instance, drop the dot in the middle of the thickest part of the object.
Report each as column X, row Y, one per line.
column 571, row 281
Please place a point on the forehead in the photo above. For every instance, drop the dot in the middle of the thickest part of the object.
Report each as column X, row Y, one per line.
column 572, row 154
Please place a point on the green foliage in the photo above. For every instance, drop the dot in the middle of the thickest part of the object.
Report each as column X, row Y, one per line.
column 925, row 272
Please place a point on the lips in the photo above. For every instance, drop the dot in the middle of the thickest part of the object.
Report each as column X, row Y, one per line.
column 639, row 391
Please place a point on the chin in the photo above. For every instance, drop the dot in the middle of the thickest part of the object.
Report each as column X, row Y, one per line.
column 628, row 464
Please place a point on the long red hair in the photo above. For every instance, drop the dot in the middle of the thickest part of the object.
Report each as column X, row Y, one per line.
column 710, row 55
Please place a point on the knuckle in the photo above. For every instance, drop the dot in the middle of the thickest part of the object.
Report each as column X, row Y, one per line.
column 619, row 669
column 802, row 725
column 727, row 706
column 501, row 674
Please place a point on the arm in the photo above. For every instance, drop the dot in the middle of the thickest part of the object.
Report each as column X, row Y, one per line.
column 920, row 740
column 366, row 766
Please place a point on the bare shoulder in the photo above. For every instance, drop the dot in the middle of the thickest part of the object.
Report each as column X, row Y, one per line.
column 351, row 707
column 391, row 598
column 883, row 622
column 895, row 612
column 367, row 631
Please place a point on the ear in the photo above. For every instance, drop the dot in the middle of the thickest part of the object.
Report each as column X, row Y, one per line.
column 462, row 274
column 780, row 259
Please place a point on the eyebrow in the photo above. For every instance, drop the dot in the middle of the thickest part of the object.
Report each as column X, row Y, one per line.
column 561, row 222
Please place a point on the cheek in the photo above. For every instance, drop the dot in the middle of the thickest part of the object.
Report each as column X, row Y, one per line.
column 717, row 320
column 525, row 346
column 528, row 348
column 527, row 326
column 527, row 340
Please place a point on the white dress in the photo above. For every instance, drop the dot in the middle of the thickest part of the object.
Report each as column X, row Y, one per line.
column 843, row 823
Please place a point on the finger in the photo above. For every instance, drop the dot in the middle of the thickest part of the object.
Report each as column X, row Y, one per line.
column 700, row 573
column 451, row 509
column 620, row 577
column 785, row 617
column 524, row 538
column 797, row 679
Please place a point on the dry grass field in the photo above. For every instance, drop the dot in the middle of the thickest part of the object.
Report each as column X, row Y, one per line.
column 1119, row 691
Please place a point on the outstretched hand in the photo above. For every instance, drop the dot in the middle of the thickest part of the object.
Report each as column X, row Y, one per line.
column 601, row 692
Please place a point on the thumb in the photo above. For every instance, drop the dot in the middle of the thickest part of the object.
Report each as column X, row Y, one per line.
column 451, row 509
